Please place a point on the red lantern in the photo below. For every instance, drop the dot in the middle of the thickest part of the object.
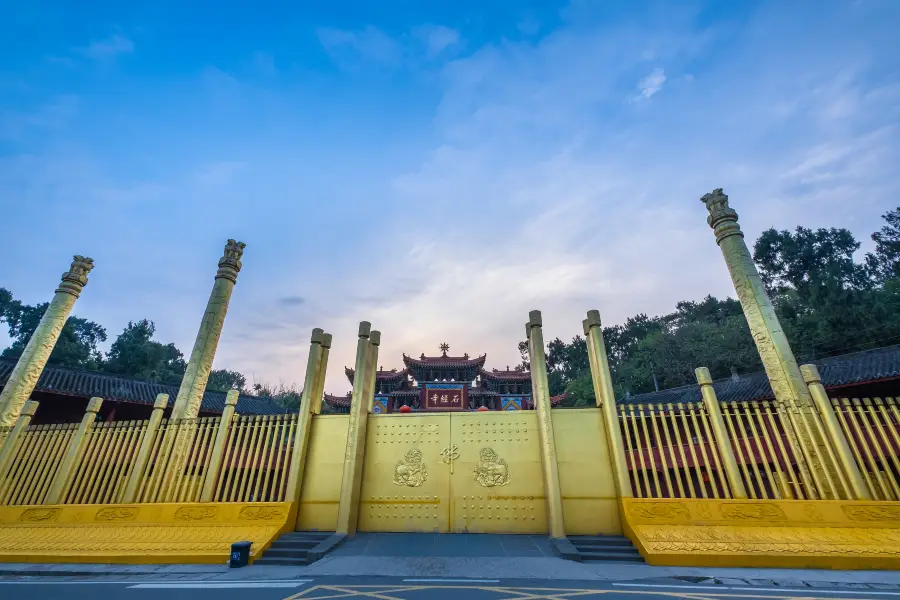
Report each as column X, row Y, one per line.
column 405, row 409
column 483, row 408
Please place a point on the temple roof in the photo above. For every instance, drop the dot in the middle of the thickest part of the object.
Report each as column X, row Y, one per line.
column 67, row 381
column 507, row 375
column 379, row 374
column 444, row 361
column 338, row 400
column 869, row 366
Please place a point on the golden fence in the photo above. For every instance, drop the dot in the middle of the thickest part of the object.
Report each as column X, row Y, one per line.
column 258, row 455
column 872, row 429
column 671, row 451
column 170, row 463
column 34, row 464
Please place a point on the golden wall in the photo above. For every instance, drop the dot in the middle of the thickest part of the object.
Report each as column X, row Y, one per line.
column 590, row 501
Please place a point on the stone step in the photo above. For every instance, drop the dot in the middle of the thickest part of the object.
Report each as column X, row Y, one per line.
column 295, row 544
column 285, row 553
column 293, row 562
column 612, row 556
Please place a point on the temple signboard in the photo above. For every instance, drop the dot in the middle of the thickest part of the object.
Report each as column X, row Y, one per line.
column 444, row 396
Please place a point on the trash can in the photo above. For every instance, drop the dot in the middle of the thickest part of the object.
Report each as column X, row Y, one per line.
column 240, row 554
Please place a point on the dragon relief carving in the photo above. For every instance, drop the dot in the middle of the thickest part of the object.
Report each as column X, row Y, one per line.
column 871, row 512
column 36, row 515
column 261, row 513
column 116, row 513
column 659, row 510
column 194, row 513
column 753, row 512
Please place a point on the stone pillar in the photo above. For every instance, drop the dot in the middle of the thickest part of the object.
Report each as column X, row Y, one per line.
column 771, row 342
column 540, row 390
column 190, row 394
column 315, row 403
column 351, row 482
column 31, row 364
column 304, row 418
column 606, row 399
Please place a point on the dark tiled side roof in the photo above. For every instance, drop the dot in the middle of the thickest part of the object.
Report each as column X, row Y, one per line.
column 505, row 375
column 85, row 384
column 379, row 375
column 837, row 371
column 338, row 400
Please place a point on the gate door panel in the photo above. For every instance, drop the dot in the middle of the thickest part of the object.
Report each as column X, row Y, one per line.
column 496, row 484
column 406, row 484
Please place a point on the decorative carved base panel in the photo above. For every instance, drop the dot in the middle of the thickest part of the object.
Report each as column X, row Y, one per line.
column 828, row 534
column 137, row 533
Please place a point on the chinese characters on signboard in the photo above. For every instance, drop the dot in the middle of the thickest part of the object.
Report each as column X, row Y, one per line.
column 444, row 397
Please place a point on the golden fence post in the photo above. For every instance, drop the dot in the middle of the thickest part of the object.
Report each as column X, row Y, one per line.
column 218, row 450
column 301, row 437
column 371, row 369
column 73, row 454
column 838, row 440
column 351, row 484
column 11, row 443
column 540, row 390
column 606, row 399
column 723, row 443
column 315, row 405
column 143, row 455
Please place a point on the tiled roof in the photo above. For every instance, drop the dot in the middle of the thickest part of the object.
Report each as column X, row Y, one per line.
column 506, row 375
column 837, row 371
column 444, row 361
column 338, row 400
column 379, row 375
column 85, row 384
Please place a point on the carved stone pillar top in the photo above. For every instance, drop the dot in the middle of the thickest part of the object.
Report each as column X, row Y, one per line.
column 230, row 263
column 722, row 218
column 74, row 280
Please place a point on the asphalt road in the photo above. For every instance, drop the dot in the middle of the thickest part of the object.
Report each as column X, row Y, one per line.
column 384, row 588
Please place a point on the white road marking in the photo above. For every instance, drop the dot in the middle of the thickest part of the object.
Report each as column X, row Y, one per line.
column 219, row 585
column 431, row 580
column 811, row 590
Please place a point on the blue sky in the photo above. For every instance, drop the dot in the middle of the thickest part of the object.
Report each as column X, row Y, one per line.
column 437, row 168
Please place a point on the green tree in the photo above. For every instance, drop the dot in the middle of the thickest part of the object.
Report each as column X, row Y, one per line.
column 223, row 380
column 136, row 354
column 884, row 263
column 78, row 340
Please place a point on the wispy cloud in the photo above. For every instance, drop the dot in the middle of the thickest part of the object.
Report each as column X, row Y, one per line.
column 367, row 45
column 107, row 48
column 436, row 38
column 652, row 83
